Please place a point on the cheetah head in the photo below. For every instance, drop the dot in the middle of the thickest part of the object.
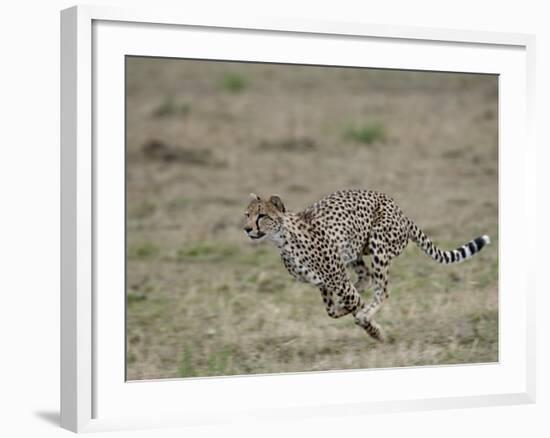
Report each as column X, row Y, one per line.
column 263, row 218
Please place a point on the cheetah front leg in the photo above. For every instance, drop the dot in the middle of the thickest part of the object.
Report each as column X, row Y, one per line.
column 334, row 310
column 342, row 299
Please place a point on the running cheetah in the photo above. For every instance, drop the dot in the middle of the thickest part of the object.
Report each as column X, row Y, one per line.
column 318, row 243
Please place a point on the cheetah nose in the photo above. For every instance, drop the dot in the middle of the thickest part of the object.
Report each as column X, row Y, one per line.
column 248, row 229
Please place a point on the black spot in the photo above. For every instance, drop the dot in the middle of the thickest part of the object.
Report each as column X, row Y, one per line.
column 472, row 246
column 462, row 252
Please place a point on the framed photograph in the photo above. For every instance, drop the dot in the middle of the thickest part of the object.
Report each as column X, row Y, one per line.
column 277, row 219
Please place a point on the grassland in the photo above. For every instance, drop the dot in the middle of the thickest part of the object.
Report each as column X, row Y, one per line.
column 202, row 300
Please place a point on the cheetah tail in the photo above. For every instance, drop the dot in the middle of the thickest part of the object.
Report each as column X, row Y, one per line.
column 446, row 257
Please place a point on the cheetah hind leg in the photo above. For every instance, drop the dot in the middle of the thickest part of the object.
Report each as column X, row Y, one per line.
column 364, row 278
column 373, row 329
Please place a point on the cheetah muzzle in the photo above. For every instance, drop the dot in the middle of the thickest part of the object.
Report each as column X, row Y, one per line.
column 318, row 244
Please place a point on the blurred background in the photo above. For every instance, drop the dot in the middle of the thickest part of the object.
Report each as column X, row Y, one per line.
column 202, row 135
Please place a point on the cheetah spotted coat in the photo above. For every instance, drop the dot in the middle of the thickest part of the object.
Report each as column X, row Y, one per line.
column 318, row 244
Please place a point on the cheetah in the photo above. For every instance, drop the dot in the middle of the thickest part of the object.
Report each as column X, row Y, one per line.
column 318, row 244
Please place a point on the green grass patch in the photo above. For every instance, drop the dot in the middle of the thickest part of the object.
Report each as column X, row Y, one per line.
column 233, row 82
column 218, row 363
column 131, row 358
column 186, row 366
column 135, row 297
column 145, row 250
column 207, row 252
column 169, row 107
column 210, row 251
column 259, row 257
column 367, row 134
column 213, row 364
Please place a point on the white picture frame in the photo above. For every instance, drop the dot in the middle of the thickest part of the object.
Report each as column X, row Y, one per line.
column 94, row 394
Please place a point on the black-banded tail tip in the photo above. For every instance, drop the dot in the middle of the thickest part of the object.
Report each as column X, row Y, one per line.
column 482, row 241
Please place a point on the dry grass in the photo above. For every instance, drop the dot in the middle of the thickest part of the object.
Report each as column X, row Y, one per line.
column 201, row 300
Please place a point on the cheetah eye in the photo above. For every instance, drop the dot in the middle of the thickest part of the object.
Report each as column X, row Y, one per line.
column 261, row 215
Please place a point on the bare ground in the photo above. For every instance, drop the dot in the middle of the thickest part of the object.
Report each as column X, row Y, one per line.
column 201, row 300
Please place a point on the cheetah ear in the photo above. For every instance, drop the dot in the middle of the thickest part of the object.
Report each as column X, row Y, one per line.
column 276, row 201
column 255, row 196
